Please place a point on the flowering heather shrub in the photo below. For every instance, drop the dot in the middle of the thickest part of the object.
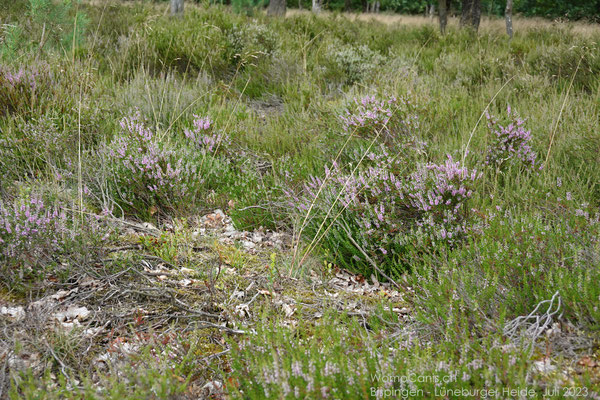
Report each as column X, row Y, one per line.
column 40, row 236
column 518, row 260
column 146, row 172
column 20, row 90
column 29, row 229
column 281, row 366
column 150, row 175
column 203, row 136
column 439, row 192
column 385, row 212
column 390, row 118
column 511, row 143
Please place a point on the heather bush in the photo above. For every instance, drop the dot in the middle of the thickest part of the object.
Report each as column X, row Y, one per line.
column 146, row 172
column 149, row 174
column 204, row 138
column 375, row 215
column 39, row 236
column 23, row 90
column 392, row 119
column 31, row 231
column 36, row 148
column 510, row 143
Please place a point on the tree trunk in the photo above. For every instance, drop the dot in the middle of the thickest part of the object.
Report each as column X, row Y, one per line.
column 476, row 14
column 471, row 14
column 465, row 16
column 431, row 11
column 508, row 14
column 276, row 7
column 443, row 15
column 347, row 5
column 377, row 5
column 176, row 7
column 316, row 6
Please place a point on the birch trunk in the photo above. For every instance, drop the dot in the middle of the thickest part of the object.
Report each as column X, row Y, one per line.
column 316, row 6
column 508, row 14
column 176, row 7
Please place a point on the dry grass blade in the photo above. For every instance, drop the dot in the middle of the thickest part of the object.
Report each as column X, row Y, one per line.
column 466, row 151
column 562, row 108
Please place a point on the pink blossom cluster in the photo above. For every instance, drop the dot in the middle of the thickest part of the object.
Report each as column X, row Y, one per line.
column 30, row 227
column 389, row 208
column 387, row 118
column 22, row 77
column 202, row 135
column 511, row 142
column 144, row 161
column 439, row 192
column 20, row 88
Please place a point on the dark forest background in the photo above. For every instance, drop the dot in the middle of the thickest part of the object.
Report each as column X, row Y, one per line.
column 573, row 9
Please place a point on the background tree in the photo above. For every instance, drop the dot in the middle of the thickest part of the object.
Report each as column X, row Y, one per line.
column 317, row 6
column 471, row 14
column 508, row 16
column 176, row 7
column 276, row 7
column 572, row 9
column 443, row 15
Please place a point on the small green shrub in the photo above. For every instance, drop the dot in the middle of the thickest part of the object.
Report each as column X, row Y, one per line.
column 578, row 61
column 204, row 40
column 39, row 148
column 251, row 43
column 354, row 63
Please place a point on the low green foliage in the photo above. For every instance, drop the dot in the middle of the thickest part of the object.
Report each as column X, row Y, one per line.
column 516, row 263
column 335, row 360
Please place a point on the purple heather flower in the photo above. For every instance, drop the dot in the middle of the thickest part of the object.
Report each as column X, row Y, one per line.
column 511, row 142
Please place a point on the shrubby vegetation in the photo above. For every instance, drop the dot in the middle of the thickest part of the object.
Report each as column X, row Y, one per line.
column 455, row 177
